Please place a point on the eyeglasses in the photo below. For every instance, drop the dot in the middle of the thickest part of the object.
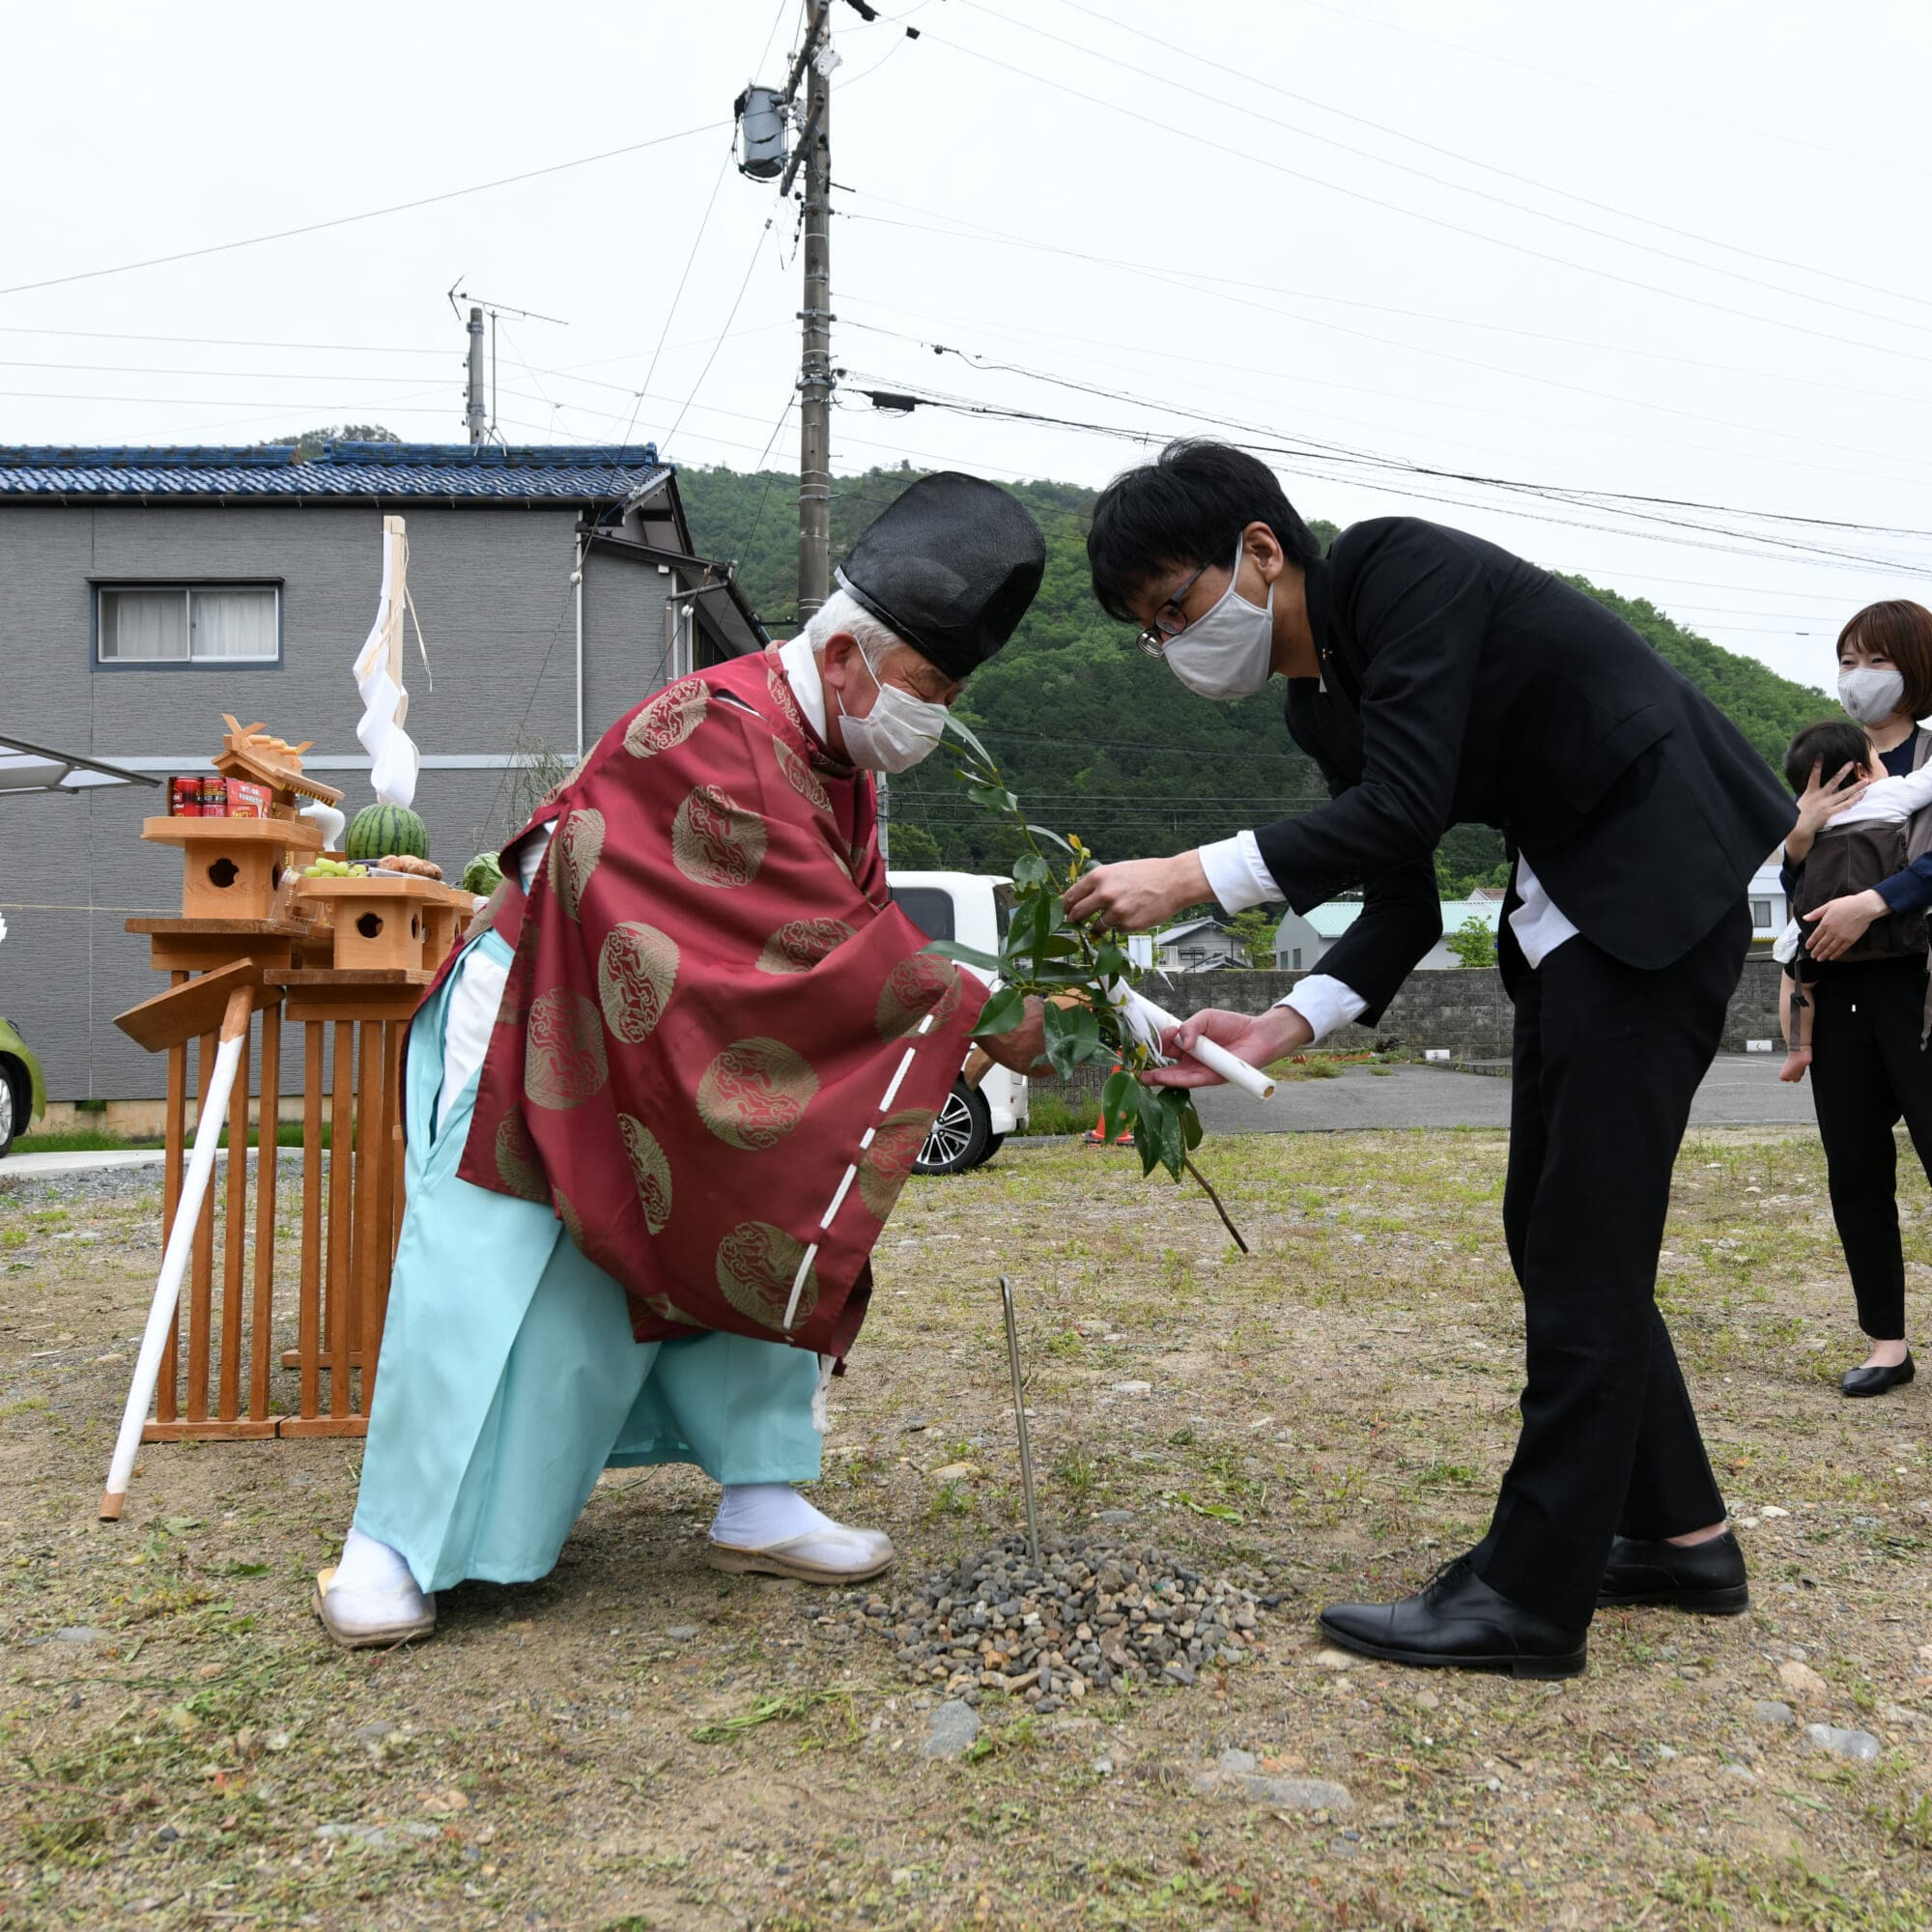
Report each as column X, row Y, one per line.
column 1168, row 621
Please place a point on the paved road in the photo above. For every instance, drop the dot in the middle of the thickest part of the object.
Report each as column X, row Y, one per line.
column 1740, row 1090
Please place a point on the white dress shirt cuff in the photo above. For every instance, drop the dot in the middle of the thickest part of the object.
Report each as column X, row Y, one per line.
column 1325, row 1002
column 1235, row 875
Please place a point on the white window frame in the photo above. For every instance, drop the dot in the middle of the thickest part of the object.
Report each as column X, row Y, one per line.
column 188, row 588
column 1762, row 924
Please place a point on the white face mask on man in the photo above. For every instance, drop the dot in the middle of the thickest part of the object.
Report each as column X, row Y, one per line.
column 897, row 732
column 1226, row 653
column 1871, row 693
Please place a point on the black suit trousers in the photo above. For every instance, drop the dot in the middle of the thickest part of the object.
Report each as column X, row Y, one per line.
column 1868, row 1072
column 1607, row 1058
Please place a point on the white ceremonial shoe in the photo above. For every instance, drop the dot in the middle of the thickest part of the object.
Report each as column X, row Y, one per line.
column 833, row 1555
column 369, row 1600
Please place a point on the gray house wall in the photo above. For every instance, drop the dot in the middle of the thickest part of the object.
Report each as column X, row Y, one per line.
column 499, row 611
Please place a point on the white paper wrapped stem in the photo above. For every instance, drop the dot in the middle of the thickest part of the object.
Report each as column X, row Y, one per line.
column 1150, row 1022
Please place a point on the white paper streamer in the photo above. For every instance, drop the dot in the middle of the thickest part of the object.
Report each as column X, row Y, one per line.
column 1148, row 1022
column 393, row 759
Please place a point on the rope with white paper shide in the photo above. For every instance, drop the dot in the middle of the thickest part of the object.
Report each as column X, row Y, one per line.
column 821, row 1419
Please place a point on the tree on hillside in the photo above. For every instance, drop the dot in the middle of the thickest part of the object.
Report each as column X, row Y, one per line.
column 309, row 443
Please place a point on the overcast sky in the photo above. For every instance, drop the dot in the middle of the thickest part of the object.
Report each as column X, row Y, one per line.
column 1673, row 252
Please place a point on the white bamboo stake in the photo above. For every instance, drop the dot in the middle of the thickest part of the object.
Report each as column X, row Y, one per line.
column 181, row 1244
column 1150, row 1022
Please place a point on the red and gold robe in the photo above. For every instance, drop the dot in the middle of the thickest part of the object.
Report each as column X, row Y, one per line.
column 720, row 1045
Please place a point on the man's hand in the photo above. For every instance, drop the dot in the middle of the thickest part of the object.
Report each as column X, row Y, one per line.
column 1258, row 1038
column 1837, row 927
column 1138, row 895
column 1022, row 1047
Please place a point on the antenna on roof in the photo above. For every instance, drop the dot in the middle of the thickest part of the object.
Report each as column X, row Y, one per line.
column 482, row 430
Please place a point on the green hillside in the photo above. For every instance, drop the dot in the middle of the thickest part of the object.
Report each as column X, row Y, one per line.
column 1097, row 738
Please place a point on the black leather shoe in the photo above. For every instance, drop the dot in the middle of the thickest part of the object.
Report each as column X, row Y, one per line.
column 1704, row 1578
column 1457, row 1622
column 1876, row 1382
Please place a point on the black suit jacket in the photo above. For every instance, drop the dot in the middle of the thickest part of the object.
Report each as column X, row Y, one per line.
column 1462, row 683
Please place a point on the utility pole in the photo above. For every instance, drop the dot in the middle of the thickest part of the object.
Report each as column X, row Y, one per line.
column 473, row 415
column 814, row 377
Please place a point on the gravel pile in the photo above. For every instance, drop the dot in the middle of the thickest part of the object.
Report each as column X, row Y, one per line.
column 1093, row 1616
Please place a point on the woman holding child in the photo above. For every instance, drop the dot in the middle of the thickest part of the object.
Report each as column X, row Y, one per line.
column 1862, row 1012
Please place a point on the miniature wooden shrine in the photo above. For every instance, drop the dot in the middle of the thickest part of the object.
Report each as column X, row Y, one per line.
column 345, row 961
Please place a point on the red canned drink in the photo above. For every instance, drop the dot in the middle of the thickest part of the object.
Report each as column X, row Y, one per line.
column 214, row 798
column 185, row 798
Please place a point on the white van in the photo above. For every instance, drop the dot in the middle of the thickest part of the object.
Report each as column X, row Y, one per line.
column 970, row 908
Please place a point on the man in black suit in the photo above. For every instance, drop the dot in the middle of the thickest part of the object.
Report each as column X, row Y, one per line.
column 1436, row 678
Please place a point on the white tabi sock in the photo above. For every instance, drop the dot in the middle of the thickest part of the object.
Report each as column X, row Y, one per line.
column 372, row 1572
column 754, row 1516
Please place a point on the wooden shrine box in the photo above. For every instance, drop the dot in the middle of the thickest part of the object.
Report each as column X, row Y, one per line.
column 380, row 924
column 447, row 916
column 232, row 867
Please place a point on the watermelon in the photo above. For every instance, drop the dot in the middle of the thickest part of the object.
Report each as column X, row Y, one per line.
column 378, row 830
column 483, row 875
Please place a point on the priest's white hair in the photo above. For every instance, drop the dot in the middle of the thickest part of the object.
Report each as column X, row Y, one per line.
column 843, row 611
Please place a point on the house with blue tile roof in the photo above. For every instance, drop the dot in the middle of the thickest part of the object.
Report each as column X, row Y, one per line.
column 144, row 592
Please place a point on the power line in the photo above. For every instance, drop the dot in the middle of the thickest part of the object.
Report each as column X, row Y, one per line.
column 1431, row 221
column 1210, row 282
column 366, row 215
column 1200, row 285
column 1356, row 17
column 1249, row 76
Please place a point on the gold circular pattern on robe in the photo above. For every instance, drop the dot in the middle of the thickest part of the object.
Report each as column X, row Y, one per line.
column 800, row 776
column 517, row 1165
column 756, row 1267
column 884, row 1165
column 574, row 852
column 563, row 1050
column 755, row 1093
column 573, row 1221
column 669, row 719
column 800, row 944
column 780, row 687
column 636, row 971
column 923, row 983
column 714, row 842
column 650, row 1167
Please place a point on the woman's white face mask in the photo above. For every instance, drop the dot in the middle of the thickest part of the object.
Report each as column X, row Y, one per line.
column 1871, row 693
column 1226, row 653
column 897, row 732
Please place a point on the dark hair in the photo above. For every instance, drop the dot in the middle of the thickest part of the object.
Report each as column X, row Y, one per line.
column 1900, row 633
column 1185, row 508
column 1831, row 744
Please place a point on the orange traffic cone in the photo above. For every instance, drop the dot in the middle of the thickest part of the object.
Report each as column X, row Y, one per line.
column 1096, row 1135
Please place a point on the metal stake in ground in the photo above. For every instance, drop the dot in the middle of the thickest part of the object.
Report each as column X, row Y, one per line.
column 1020, row 1416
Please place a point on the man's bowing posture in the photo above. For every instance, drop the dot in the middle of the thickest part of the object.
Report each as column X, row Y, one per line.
column 1436, row 678
column 657, row 1114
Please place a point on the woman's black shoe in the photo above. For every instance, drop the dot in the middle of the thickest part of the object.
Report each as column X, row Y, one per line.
column 1458, row 1621
column 1705, row 1577
column 1876, row 1382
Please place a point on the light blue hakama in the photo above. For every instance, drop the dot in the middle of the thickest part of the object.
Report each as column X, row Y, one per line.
column 509, row 1377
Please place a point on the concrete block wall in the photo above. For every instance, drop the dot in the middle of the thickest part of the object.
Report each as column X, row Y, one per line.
column 1464, row 1011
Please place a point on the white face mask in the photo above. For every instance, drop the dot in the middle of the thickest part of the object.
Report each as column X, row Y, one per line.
column 1225, row 654
column 897, row 732
column 1871, row 693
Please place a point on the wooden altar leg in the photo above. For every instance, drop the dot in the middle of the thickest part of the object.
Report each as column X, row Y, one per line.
column 341, row 1168
column 234, row 1236
column 201, row 1301
column 371, row 1163
column 308, row 1319
column 390, row 1215
column 262, row 1345
column 176, row 1128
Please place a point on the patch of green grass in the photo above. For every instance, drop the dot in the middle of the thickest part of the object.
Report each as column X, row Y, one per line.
column 787, row 1707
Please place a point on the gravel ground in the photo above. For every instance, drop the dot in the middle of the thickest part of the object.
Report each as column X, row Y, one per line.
column 638, row 1741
